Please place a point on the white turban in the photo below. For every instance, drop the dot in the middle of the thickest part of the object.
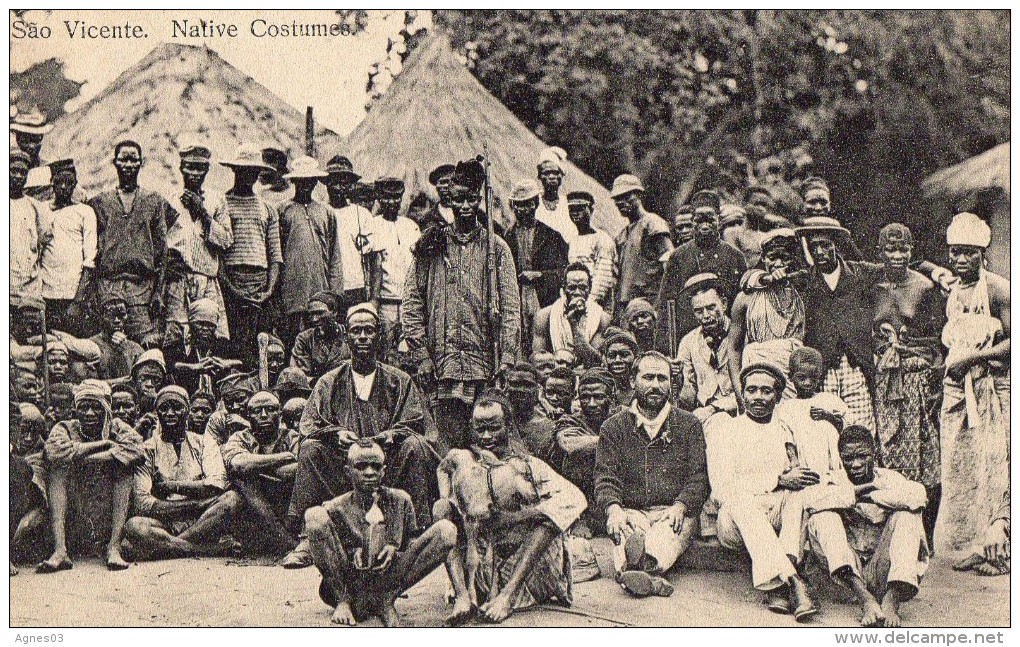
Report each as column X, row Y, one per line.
column 553, row 155
column 968, row 229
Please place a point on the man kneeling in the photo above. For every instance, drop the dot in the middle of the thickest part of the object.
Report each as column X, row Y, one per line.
column 651, row 480
column 360, row 542
column 181, row 494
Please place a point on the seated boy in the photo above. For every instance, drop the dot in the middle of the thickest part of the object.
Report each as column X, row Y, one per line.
column 360, row 542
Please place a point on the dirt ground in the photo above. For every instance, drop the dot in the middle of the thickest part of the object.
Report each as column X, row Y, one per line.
column 217, row 592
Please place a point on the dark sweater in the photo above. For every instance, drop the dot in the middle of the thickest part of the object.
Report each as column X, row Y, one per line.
column 637, row 473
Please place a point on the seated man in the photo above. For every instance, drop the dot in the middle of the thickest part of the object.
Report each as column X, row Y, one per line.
column 523, row 559
column 201, row 407
column 125, row 403
column 618, row 353
column 757, row 491
column 80, row 356
column 363, row 398
column 639, row 319
column 651, row 480
column 362, row 542
column 991, row 553
column 320, row 347
column 90, row 462
column 880, row 551
column 117, row 353
column 703, row 353
column 198, row 361
column 575, row 321
column 536, row 429
column 544, row 361
column 182, row 501
column 27, row 481
column 234, row 391
column 261, row 463
column 558, row 393
column 577, row 435
column 148, row 376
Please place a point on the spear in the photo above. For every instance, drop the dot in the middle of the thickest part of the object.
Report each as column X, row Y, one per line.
column 493, row 269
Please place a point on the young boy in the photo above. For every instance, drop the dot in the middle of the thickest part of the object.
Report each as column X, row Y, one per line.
column 360, row 542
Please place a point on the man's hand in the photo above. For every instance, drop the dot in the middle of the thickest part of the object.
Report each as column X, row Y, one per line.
column 818, row 413
column 618, row 524
column 160, row 487
column 996, row 542
column 385, row 438
column 347, row 436
column 530, row 276
column 575, row 310
column 426, row 374
column 386, row 556
column 798, row 478
column 957, row 369
column 118, row 338
column 674, row 516
column 146, row 425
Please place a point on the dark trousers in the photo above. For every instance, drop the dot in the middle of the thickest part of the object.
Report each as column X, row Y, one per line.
column 244, row 319
column 453, row 417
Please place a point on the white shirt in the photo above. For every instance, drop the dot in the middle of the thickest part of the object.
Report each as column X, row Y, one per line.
column 558, row 219
column 356, row 228
column 832, row 280
column 652, row 426
column 446, row 213
column 394, row 242
column 72, row 249
column 363, row 384
column 29, row 237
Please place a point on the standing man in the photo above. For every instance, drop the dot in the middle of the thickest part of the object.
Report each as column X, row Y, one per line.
column 311, row 249
column 540, row 256
column 273, row 177
column 642, row 247
column 132, row 258
column 552, row 210
column 341, row 177
column 683, row 226
column 703, row 353
column 197, row 238
column 28, row 129
column 651, row 480
column 397, row 236
column 30, row 232
column 705, row 253
column 446, row 316
column 355, row 226
column 593, row 247
column 817, row 197
column 69, row 260
column 251, row 265
column 442, row 213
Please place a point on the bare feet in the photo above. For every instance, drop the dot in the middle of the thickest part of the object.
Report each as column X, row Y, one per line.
column 58, row 561
column 343, row 615
column 873, row 615
column 462, row 612
column 497, row 610
column 891, row 610
column 114, row 561
column 388, row 614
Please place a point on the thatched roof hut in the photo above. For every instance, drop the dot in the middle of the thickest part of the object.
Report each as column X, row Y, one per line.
column 437, row 112
column 176, row 89
column 979, row 185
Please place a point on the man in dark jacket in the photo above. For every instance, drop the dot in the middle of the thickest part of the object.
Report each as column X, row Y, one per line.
column 651, row 480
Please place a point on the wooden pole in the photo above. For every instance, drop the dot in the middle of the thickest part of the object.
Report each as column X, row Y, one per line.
column 309, row 132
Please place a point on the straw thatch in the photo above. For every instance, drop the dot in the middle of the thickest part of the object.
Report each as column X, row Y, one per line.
column 988, row 170
column 437, row 112
column 176, row 89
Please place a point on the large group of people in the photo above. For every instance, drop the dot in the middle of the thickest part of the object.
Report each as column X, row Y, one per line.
column 320, row 375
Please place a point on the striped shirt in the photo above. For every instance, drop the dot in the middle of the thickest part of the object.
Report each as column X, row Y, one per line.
column 256, row 230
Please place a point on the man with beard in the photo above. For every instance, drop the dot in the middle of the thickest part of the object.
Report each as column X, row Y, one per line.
column 683, row 226
column 67, row 263
column 594, row 248
column 182, row 500
column 251, row 265
column 277, row 189
column 553, row 211
column 760, row 505
column 536, row 429
column 446, row 315
column 197, row 238
column 131, row 261
column 397, row 236
column 363, row 398
column 639, row 318
column 90, row 461
column 30, row 232
column 878, row 542
column 524, row 561
column 310, row 244
column 575, row 321
column 577, row 434
column 117, row 353
column 650, row 480
column 704, row 352
column 540, row 256
column 148, row 376
column 642, row 247
column 321, row 347
column 619, row 352
column 198, row 361
column 124, row 403
column 357, row 582
column 261, row 462
column 559, row 392
column 705, row 253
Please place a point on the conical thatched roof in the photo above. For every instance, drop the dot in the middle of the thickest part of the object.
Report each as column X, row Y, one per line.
column 437, row 112
column 176, row 89
column 988, row 170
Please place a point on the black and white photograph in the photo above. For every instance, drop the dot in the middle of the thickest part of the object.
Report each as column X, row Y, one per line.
column 510, row 318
